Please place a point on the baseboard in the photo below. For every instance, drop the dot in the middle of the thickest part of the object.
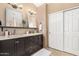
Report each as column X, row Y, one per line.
column 63, row 51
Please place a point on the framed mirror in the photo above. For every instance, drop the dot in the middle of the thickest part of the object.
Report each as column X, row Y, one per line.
column 32, row 19
column 13, row 18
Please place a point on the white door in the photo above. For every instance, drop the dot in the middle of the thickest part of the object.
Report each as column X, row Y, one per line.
column 71, row 31
column 56, row 30
column 50, row 29
column 59, row 30
column 68, row 31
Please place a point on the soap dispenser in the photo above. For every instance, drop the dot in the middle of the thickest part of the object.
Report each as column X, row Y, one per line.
column 6, row 33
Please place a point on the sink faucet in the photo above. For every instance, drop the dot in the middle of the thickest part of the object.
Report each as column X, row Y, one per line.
column 14, row 32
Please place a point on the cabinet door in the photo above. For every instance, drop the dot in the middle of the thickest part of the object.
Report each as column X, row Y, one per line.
column 7, row 47
column 71, row 31
column 27, row 43
column 19, row 47
column 56, row 30
column 33, row 44
column 12, row 48
column 40, row 40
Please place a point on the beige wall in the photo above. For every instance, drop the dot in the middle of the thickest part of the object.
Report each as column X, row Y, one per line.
column 26, row 6
column 42, row 17
column 53, row 7
column 2, row 12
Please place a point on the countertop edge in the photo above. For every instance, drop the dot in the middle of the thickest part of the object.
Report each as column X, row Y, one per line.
column 18, row 36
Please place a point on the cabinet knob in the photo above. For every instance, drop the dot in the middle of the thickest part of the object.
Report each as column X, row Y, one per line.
column 49, row 32
column 17, row 42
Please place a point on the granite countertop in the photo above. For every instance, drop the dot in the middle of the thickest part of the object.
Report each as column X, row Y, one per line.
column 18, row 36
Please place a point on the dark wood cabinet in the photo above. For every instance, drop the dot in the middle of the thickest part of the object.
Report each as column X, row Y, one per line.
column 30, row 45
column 19, row 47
column 33, row 44
column 24, row 46
column 7, row 47
column 12, row 48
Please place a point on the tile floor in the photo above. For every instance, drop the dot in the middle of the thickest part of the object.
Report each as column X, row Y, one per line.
column 55, row 52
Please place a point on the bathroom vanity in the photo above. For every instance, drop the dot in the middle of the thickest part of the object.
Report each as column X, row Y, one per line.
column 14, row 40
column 20, row 45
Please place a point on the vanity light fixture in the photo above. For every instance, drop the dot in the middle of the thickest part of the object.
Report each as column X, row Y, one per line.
column 31, row 12
column 20, row 6
column 15, row 6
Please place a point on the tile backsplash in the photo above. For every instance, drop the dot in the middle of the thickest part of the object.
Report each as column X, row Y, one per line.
column 1, row 33
column 14, row 31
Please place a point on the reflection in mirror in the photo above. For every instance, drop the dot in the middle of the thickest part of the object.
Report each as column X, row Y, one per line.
column 32, row 18
column 13, row 18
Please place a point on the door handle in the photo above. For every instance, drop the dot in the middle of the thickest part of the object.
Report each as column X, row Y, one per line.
column 49, row 32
